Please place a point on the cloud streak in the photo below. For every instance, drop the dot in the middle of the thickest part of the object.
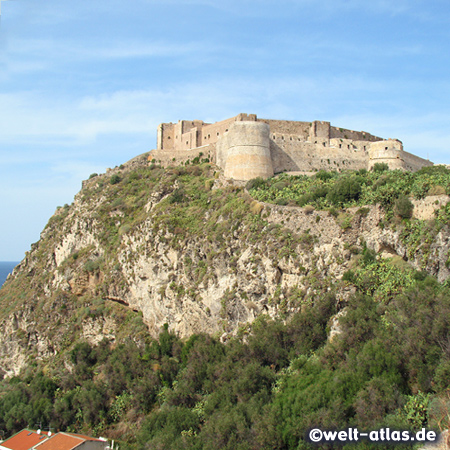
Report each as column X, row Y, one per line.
column 68, row 121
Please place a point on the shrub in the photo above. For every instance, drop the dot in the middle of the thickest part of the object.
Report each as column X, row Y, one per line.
column 256, row 207
column 333, row 212
column 304, row 199
column 178, row 196
column 279, row 185
column 349, row 276
column 380, row 167
column 420, row 275
column 320, row 192
column 93, row 175
column 345, row 190
column 281, row 201
column 403, row 207
column 345, row 220
column 363, row 211
column 324, row 175
column 436, row 190
column 115, row 179
column 93, row 265
column 255, row 183
column 209, row 184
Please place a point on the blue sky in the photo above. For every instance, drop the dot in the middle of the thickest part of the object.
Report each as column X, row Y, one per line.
column 84, row 84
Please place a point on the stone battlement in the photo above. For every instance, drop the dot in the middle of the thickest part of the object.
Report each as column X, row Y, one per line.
column 246, row 147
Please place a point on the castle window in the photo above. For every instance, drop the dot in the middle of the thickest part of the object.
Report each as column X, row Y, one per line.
column 209, row 136
column 385, row 148
column 348, row 146
column 340, row 145
column 187, row 142
column 217, row 133
column 315, row 142
column 168, row 137
column 324, row 144
column 273, row 137
column 290, row 138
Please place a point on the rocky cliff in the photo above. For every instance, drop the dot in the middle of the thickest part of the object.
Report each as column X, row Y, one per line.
column 142, row 246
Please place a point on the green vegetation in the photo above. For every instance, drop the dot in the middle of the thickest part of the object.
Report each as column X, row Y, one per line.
column 264, row 391
column 346, row 189
column 264, row 388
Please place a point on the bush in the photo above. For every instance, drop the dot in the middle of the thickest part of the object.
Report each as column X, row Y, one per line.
column 436, row 190
column 93, row 265
column 256, row 207
column 333, row 212
column 345, row 190
column 279, row 185
column 324, row 175
column 320, row 192
column 403, row 207
column 178, row 196
column 380, row 167
column 281, row 201
column 115, row 179
column 363, row 211
column 255, row 183
column 349, row 276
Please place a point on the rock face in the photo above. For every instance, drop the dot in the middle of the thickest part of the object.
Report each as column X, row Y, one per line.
column 97, row 273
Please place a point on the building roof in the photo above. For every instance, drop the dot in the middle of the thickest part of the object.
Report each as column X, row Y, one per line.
column 23, row 440
column 64, row 441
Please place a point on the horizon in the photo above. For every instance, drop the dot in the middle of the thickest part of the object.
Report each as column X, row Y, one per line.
column 85, row 84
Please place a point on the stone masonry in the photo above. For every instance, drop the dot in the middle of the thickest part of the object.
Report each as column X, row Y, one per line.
column 247, row 147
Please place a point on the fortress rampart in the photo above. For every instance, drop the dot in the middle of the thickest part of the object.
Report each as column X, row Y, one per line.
column 244, row 152
column 246, row 147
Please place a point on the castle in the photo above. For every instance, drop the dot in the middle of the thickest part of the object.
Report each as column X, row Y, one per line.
column 247, row 147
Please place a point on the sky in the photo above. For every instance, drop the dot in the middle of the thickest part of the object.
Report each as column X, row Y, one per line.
column 84, row 84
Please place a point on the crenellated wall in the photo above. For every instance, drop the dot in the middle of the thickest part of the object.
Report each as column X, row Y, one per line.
column 247, row 147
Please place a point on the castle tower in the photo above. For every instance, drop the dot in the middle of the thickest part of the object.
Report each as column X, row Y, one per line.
column 245, row 151
column 389, row 151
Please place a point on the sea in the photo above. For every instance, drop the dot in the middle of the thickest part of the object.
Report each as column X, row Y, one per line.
column 6, row 267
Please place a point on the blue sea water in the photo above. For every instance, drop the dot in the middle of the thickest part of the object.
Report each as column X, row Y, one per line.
column 6, row 267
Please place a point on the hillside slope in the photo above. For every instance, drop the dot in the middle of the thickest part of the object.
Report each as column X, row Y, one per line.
column 187, row 248
column 171, row 308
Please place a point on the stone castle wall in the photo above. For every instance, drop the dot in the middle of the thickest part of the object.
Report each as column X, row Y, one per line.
column 246, row 147
column 244, row 153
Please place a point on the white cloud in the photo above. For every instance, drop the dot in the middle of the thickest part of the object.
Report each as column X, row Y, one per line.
column 34, row 119
column 70, row 49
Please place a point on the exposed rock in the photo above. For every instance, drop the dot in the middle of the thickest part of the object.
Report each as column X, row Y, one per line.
column 194, row 284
